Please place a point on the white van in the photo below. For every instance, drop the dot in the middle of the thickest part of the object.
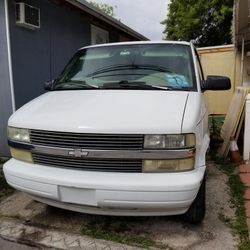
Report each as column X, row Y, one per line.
column 122, row 131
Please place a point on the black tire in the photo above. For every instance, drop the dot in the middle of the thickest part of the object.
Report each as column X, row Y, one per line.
column 197, row 210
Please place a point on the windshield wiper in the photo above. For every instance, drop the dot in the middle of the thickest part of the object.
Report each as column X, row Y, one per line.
column 74, row 85
column 153, row 67
column 129, row 66
column 183, row 88
column 108, row 69
column 132, row 85
column 161, row 87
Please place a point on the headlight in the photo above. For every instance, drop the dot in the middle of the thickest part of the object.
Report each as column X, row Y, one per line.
column 22, row 155
column 161, row 166
column 169, row 141
column 18, row 134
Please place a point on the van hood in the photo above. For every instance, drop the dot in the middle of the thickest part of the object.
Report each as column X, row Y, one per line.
column 110, row 111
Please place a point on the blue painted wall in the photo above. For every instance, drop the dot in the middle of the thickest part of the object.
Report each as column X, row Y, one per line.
column 40, row 55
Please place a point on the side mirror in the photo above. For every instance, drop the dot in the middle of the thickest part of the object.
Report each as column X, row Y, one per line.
column 49, row 85
column 216, row 83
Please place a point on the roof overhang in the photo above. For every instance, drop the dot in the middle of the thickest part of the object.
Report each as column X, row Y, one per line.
column 242, row 23
column 93, row 11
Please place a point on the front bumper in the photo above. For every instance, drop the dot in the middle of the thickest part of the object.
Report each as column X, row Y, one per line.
column 106, row 193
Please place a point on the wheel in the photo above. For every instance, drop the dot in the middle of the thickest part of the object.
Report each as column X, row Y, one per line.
column 197, row 210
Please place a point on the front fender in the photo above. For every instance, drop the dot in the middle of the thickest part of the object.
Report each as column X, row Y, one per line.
column 203, row 150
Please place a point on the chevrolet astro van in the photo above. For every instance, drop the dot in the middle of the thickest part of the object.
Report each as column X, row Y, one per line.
column 122, row 131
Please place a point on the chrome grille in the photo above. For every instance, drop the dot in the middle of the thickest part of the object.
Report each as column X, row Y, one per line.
column 101, row 165
column 86, row 141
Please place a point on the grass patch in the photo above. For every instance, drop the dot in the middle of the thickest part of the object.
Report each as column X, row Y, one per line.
column 225, row 219
column 3, row 160
column 5, row 189
column 120, row 233
column 237, row 188
column 245, row 245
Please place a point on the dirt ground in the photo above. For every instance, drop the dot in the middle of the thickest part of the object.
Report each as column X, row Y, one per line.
column 166, row 232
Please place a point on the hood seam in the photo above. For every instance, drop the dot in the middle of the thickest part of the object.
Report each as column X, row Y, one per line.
column 184, row 111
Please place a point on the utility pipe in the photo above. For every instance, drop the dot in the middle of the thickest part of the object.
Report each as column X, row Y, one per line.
column 242, row 60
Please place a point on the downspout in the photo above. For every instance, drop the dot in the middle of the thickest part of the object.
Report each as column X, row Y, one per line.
column 235, row 63
column 9, row 56
column 242, row 60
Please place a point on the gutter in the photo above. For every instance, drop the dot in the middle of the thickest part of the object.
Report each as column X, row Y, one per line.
column 9, row 57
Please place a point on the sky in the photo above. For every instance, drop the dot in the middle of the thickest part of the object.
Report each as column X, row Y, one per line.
column 143, row 16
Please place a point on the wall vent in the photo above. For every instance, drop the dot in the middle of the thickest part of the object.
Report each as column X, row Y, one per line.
column 27, row 16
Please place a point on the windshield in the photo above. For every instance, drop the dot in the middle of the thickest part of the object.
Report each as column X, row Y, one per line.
column 137, row 66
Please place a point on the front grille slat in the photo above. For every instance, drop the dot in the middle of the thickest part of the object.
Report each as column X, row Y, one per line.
column 85, row 165
column 88, row 146
column 100, row 137
column 100, row 169
column 72, row 135
column 90, row 162
column 87, row 141
column 102, row 165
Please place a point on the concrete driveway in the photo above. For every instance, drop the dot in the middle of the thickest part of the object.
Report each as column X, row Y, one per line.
column 22, row 218
column 8, row 245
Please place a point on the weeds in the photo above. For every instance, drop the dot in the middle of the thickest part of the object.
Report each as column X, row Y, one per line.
column 5, row 189
column 225, row 219
column 100, row 233
column 121, row 234
column 245, row 245
column 3, row 160
column 215, row 124
column 237, row 188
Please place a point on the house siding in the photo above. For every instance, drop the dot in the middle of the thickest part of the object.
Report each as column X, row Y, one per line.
column 39, row 55
column 5, row 89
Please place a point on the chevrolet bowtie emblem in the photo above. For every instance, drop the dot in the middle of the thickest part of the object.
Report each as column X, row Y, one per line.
column 78, row 153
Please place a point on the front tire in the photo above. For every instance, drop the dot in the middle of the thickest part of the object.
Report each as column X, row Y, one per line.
column 197, row 210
